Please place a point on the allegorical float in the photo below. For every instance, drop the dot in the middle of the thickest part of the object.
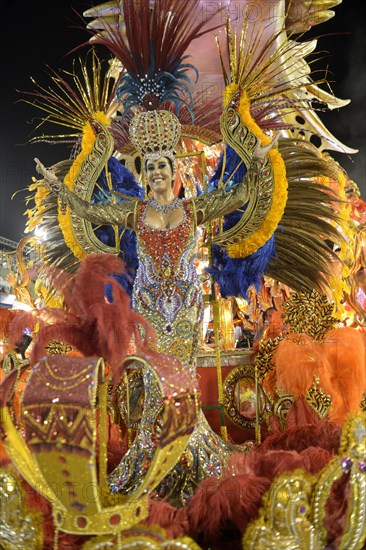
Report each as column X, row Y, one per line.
column 200, row 194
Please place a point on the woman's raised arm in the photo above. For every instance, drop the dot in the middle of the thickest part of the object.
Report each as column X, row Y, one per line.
column 121, row 213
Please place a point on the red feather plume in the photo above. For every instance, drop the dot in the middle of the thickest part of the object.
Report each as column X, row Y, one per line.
column 91, row 324
column 170, row 24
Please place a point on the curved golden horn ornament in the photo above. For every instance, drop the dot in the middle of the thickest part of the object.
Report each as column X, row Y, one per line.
column 64, row 415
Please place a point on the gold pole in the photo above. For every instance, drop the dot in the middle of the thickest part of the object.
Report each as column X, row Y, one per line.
column 129, row 430
column 216, row 323
column 115, row 227
column 258, row 435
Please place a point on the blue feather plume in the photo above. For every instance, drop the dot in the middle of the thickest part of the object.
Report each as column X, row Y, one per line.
column 174, row 85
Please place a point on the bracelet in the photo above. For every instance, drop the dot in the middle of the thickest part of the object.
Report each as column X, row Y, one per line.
column 55, row 186
column 257, row 164
column 259, row 160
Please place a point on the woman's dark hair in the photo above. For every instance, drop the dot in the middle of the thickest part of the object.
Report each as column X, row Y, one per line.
column 170, row 163
column 167, row 158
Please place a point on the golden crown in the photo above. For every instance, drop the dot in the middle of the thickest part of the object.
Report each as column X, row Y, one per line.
column 155, row 133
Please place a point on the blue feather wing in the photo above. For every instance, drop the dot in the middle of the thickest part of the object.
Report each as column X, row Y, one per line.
column 234, row 276
column 123, row 181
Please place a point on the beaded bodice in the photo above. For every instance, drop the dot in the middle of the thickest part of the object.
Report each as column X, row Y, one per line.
column 166, row 279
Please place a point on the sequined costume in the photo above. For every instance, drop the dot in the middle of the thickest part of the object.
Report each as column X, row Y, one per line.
column 167, row 292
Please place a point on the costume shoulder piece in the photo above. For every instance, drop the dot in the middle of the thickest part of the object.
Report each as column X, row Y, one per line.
column 93, row 173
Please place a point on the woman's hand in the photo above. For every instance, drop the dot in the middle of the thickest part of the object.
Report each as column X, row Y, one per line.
column 260, row 151
column 49, row 175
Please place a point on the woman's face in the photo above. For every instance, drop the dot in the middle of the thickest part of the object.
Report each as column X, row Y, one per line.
column 159, row 175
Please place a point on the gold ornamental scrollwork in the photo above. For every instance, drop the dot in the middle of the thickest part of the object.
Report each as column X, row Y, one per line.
column 318, row 400
column 281, row 406
column 240, row 398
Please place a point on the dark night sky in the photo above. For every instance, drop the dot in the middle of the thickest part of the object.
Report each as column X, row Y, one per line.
column 37, row 33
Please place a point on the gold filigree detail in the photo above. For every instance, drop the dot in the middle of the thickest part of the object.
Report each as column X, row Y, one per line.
column 309, row 313
column 263, row 360
column 240, row 400
column 259, row 198
column 284, row 519
column 318, row 400
column 56, row 347
column 155, row 133
column 84, row 184
column 281, row 405
column 350, row 461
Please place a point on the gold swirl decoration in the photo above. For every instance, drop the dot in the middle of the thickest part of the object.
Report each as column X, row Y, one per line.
column 305, row 313
column 294, row 508
column 262, row 215
column 96, row 148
